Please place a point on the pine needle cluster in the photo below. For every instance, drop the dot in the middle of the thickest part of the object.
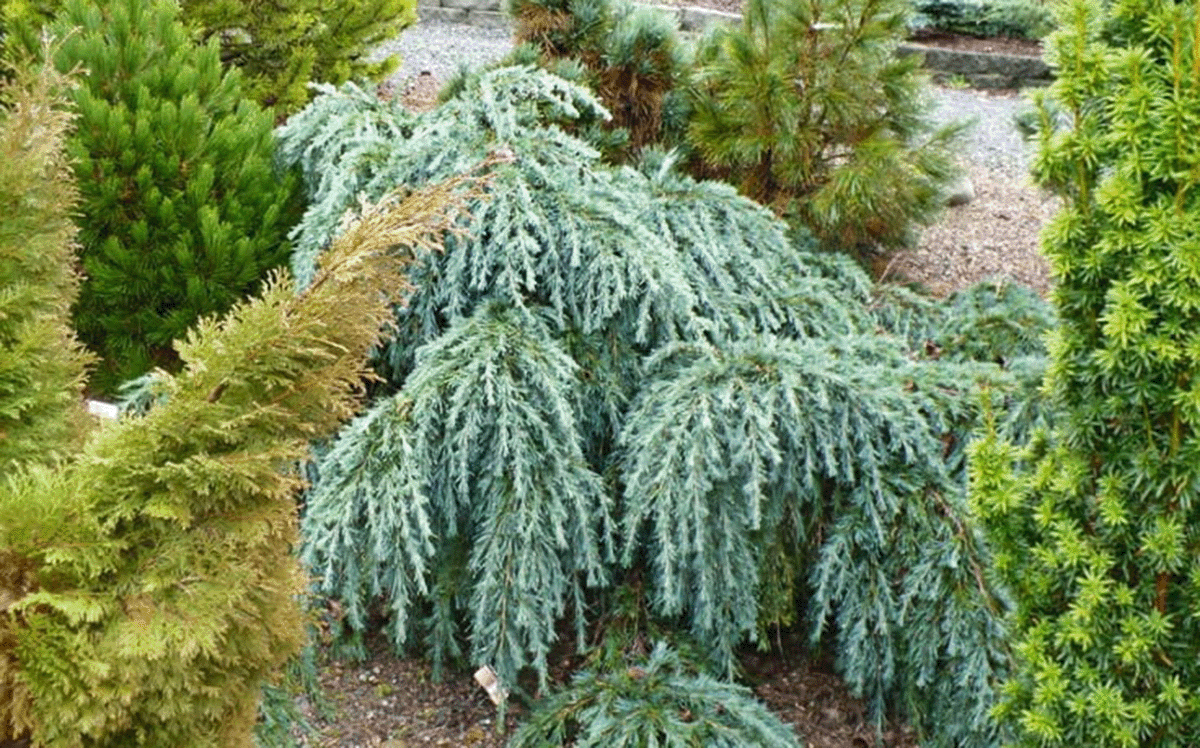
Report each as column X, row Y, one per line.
column 182, row 209
column 807, row 108
column 631, row 55
column 279, row 46
column 283, row 45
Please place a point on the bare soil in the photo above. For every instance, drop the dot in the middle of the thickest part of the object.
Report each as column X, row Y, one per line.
column 393, row 702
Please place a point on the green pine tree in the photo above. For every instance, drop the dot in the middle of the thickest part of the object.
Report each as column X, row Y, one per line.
column 158, row 586
column 807, row 108
column 1097, row 533
column 280, row 46
column 41, row 363
column 631, row 55
column 182, row 208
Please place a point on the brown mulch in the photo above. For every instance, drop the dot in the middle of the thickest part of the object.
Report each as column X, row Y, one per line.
column 393, row 702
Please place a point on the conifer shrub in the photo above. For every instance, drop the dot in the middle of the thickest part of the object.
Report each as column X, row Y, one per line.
column 1094, row 529
column 283, row 45
column 622, row 377
column 41, row 363
column 279, row 46
column 158, row 586
column 806, row 107
column 182, row 209
column 632, row 56
column 658, row 702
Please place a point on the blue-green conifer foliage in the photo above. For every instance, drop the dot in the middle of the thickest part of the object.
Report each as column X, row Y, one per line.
column 621, row 373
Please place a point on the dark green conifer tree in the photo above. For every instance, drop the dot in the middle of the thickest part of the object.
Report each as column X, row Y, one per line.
column 1098, row 533
column 182, row 208
column 158, row 588
column 631, row 55
column 41, row 363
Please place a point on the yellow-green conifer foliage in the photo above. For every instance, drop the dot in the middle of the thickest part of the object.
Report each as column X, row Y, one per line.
column 1100, row 539
column 41, row 363
column 280, row 46
column 158, row 587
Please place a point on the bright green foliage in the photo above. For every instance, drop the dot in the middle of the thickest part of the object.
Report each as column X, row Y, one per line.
column 279, row 46
column 182, row 209
column 160, row 588
column 18, row 20
column 656, row 703
column 806, row 107
column 282, row 45
column 624, row 376
column 634, row 58
column 1098, row 537
column 41, row 363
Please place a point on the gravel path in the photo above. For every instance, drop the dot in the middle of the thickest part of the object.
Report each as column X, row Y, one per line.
column 995, row 235
column 439, row 49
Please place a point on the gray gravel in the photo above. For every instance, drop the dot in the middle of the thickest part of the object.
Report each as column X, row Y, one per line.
column 992, row 141
column 439, row 49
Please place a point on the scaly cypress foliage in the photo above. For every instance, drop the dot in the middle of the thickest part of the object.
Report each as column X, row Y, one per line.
column 806, row 107
column 41, row 363
column 610, row 358
column 1098, row 536
column 182, row 209
column 655, row 703
column 281, row 46
column 160, row 587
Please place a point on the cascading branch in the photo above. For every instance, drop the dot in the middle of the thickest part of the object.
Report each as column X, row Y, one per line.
column 1098, row 537
column 622, row 376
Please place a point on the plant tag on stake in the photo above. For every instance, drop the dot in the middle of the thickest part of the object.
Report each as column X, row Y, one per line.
column 486, row 677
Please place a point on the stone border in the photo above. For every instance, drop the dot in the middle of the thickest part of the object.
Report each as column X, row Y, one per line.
column 978, row 69
column 981, row 69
